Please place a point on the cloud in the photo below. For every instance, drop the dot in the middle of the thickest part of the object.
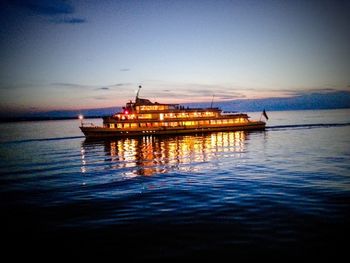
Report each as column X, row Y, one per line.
column 68, row 85
column 103, row 88
column 313, row 91
column 112, row 86
column 57, row 10
column 69, row 21
column 184, row 91
column 100, row 98
column 124, row 69
column 46, row 7
column 199, row 91
column 119, row 85
column 34, row 108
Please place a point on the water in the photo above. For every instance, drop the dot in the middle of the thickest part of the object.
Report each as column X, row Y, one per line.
column 283, row 192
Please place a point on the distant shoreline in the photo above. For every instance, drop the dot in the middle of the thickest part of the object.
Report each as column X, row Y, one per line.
column 19, row 119
column 53, row 118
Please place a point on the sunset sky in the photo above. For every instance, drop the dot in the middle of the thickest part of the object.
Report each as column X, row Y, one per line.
column 89, row 54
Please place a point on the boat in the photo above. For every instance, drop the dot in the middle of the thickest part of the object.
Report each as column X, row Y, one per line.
column 143, row 117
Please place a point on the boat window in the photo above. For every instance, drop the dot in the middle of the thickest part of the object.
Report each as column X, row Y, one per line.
column 188, row 123
column 145, row 116
column 169, row 115
column 209, row 113
column 111, row 125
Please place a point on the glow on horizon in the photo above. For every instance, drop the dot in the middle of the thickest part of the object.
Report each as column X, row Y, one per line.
column 178, row 95
column 75, row 55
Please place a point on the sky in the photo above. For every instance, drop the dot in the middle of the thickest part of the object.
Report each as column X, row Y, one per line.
column 57, row 55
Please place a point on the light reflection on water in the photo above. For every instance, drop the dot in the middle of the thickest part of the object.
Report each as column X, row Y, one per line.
column 150, row 155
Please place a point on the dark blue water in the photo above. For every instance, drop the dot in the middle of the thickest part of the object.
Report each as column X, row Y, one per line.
column 280, row 193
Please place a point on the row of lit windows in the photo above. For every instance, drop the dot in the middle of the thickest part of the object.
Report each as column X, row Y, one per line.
column 168, row 115
column 175, row 124
column 189, row 114
column 152, row 107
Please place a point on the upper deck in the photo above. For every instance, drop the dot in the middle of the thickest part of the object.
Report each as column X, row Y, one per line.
column 143, row 110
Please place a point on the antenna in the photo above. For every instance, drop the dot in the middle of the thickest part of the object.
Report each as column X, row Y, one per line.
column 137, row 94
column 212, row 100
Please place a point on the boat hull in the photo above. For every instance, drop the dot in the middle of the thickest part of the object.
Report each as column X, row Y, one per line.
column 101, row 132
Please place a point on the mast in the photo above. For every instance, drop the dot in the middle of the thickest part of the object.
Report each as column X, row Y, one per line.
column 137, row 94
column 212, row 100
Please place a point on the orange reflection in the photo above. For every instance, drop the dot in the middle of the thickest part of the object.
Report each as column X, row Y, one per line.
column 149, row 155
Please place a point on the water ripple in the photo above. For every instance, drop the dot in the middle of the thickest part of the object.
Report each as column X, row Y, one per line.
column 288, row 186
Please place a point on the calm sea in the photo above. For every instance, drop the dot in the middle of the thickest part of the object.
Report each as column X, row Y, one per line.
column 281, row 193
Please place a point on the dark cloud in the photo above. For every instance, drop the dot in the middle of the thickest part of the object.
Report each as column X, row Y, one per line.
column 219, row 92
column 100, row 98
column 199, row 91
column 68, row 85
column 33, row 108
column 110, row 87
column 46, row 7
column 230, row 97
column 313, row 91
column 57, row 10
column 103, row 88
column 117, row 85
column 181, row 93
column 69, row 21
column 124, row 69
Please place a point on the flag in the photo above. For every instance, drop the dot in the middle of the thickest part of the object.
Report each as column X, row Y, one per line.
column 265, row 115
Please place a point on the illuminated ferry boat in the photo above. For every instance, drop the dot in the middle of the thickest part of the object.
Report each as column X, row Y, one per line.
column 143, row 117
